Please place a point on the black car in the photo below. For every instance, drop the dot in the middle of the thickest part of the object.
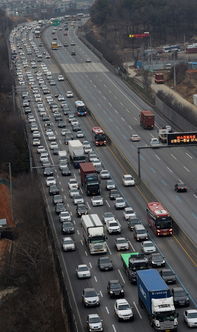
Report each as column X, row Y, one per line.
column 60, row 207
column 115, row 288
column 105, row 263
column 181, row 298
column 114, row 193
column 48, row 171
column 180, row 188
column 68, row 227
column 53, row 190
column 81, row 209
column 132, row 222
column 68, row 137
column 157, row 260
column 56, row 151
column 168, row 276
column 66, row 171
column 57, row 199
column 76, row 128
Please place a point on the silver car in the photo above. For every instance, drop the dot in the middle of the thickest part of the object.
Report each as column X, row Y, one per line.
column 68, row 244
column 148, row 247
column 97, row 200
column 122, row 243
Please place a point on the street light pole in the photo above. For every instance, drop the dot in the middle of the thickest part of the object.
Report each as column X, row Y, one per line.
column 10, row 185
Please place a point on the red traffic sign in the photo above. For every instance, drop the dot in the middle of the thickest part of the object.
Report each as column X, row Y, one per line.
column 139, row 35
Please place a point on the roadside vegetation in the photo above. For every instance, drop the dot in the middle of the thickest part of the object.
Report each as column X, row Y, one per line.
column 30, row 297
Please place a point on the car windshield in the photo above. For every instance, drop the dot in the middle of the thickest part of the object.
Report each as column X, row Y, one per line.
column 192, row 315
column 90, row 293
column 67, row 241
column 105, row 260
column 148, row 244
column 141, row 231
column 180, row 292
column 94, row 320
column 113, row 224
column 121, row 240
column 83, row 268
column 123, row 307
column 115, row 285
column 163, row 316
column 157, row 258
column 167, row 273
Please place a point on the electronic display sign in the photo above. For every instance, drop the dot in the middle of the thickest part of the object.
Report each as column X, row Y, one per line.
column 187, row 138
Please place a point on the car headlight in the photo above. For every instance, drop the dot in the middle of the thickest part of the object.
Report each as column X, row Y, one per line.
column 111, row 292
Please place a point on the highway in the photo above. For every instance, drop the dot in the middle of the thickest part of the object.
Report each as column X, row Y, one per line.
column 156, row 175
column 117, row 109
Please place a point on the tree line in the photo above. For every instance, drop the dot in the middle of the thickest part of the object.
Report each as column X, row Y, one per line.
column 168, row 21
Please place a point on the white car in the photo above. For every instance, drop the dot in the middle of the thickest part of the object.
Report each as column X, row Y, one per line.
column 36, row 142
column 83, row 271
column 120, row 203
column 148, row 247
column 129, row 213
column 108, row 216
column 154, row 142
column 74, row 192
column 87, row 147
column 68, row 244
column 110, row 184
column 36, row 134
column 122, row 243
column 128, row 180
column 41, row 149
column 190, row 317
column 78, row 199
column 53, row 145
column 65, row 216
column 61, row 98
column 50, row 180
column 69, row 94
column 123, row 310
column 60, row 78
column 73, row 184
column 105, row 174
column 97, row 201
column 113, row 226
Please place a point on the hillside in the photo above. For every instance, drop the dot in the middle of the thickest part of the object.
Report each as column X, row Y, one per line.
column 168, row 21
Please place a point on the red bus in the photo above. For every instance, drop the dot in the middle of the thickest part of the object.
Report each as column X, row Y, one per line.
column 159, row 219
column 99, row 136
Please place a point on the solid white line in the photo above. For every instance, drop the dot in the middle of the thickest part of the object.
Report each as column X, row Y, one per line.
column 121, row 276
column 137, row 309
column 107, row 310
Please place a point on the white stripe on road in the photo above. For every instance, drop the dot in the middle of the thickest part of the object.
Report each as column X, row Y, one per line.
column 137, row 309
column 121, row 276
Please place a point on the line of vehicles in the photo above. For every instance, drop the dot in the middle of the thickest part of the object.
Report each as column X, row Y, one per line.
column 153, row 292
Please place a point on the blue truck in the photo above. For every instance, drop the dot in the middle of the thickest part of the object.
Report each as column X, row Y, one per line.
column 155, row 297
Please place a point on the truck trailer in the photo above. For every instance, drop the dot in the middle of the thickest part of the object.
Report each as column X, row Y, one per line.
column 132, row 262
column 89, row 179
column 76, row 152
column 147, row 119
column 155, row 297
column 94, row 234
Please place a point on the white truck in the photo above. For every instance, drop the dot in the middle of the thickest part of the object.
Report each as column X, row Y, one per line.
column 94, row 234
column 76, row 152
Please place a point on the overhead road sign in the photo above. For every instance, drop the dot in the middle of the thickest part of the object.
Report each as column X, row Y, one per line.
column 185, row 138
